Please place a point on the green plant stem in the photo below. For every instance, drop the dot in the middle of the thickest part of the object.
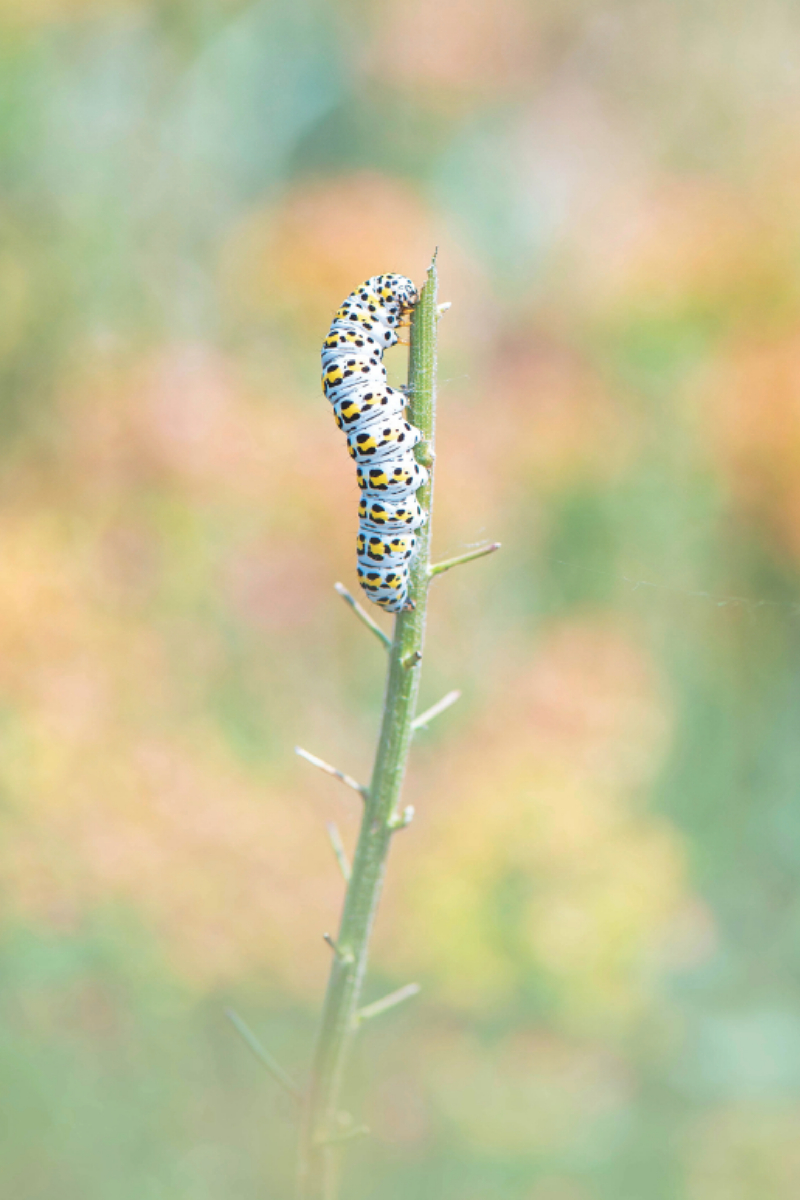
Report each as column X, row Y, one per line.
column 322, row 1122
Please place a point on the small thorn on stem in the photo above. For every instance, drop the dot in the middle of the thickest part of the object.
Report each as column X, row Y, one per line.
column 412, row 659
column 363, row 616
column 249, row 1038
column 344, row 956
column 448, row 564
column 334, row 1139
column 386, row 1002
column 446, row 702
column 441, row 309
column 339, row 850
column 329, row 770
column 402, row 820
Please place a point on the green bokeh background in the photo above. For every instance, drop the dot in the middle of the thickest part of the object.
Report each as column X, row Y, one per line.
column 599, row 893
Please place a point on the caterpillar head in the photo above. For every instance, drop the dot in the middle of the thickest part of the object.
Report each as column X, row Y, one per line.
column 385, row 298
column 395, row 288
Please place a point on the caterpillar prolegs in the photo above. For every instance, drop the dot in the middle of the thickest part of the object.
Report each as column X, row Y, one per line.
column 379, row 438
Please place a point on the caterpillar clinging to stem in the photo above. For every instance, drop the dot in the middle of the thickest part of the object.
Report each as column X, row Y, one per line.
column 379, row 438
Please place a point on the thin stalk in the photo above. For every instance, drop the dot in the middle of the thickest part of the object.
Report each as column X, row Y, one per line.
column 435, row 710
column 364, row 616
column 275, row 1069
column 329, row 770
column 448, row 564
column 379, row 1007
column 322, row 1122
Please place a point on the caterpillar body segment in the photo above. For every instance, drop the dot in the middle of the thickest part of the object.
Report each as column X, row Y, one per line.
column 387, row 516
column 351, row 338
column 366, row 405
column 381, row 441
column 356, row 314
column 389, row 589
column 348, row 373
column 384, row 550
column 396, row 479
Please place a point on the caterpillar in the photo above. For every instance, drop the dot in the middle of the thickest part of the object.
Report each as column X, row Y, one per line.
column 371, row 414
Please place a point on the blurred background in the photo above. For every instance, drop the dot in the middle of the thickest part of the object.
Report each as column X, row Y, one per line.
column 600, row 893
